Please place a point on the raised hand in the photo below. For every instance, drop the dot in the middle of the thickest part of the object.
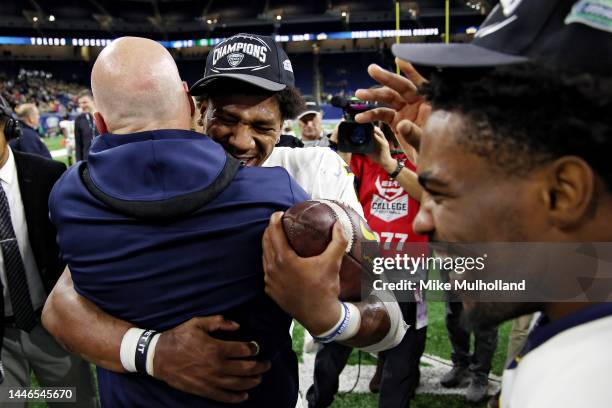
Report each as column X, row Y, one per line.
column 407, row 111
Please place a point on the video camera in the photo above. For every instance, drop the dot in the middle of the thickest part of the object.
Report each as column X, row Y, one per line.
column 354, row 137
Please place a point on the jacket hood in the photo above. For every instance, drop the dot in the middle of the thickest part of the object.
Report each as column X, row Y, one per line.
column 154, row 165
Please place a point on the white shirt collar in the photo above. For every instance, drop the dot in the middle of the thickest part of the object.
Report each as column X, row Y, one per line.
column 8, row 171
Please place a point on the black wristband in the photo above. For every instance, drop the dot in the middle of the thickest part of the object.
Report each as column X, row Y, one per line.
column 140, row 359
column 397, row 170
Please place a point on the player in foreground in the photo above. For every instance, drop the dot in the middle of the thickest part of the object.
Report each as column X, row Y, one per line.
column 518, row 151
column 186, row 357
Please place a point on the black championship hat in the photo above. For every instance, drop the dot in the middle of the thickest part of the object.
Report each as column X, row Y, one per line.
column 565, row 34
column 255, row 59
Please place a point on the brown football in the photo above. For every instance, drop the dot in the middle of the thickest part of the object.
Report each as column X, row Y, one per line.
column 309, row 227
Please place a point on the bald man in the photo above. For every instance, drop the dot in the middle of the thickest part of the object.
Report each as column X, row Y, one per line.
column 160, row 225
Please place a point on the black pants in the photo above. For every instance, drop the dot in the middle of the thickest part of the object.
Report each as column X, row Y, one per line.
column 401, row 372
column 329, row 363
column 485, row 342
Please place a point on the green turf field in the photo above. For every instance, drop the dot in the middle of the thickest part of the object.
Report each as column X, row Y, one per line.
column 437, row 345
column 54, row 142
column 420, row 401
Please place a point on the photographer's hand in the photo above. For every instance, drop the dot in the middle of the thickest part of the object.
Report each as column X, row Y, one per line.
column 407, row 111
column 407, row 178
column 382, row 154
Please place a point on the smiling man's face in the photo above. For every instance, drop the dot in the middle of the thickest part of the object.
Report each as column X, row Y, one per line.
column 469, row 199
column 247, row 126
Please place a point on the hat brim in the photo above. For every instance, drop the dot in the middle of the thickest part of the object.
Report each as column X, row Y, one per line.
column 453, row 55
column 199, row 87
column 308, row 112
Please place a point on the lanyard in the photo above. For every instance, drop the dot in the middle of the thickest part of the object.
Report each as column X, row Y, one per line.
column 92, row 125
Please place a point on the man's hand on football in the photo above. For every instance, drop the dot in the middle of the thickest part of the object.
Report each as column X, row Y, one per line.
column 305, row 288
column 189, row 359
column 407, row 111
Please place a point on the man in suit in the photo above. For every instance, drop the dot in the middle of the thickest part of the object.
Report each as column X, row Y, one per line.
column 84, row 126
column 29, row 141
column 29, row 267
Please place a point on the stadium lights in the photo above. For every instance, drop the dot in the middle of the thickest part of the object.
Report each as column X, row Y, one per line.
column 476, row 4
column 51, row 18
column 209, row 42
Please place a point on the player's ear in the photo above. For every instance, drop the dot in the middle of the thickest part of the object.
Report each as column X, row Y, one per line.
column 571, row 191
column 100, row 123
column 191, row 103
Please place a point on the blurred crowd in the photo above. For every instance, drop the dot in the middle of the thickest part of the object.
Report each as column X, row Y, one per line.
column 73, row 122
column 39, row 87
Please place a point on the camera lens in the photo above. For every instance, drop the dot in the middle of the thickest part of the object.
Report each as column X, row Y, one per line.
column 358, row 136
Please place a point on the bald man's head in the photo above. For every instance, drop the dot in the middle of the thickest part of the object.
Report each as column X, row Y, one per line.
column 137, row 87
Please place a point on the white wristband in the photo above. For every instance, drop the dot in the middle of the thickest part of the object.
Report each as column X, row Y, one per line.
column 354, row 323
column 151, row 353
column 347, row 326
column 128, row 348
column 335, row 326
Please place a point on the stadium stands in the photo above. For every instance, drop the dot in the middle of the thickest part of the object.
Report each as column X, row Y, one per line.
column 54, row 88
column 345, row 73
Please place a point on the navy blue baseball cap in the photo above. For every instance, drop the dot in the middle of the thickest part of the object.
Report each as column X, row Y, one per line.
column 254, row 59
column 565, row 34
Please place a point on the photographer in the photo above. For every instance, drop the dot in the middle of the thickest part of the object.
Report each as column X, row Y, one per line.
column 388, row 190
column 407, row 112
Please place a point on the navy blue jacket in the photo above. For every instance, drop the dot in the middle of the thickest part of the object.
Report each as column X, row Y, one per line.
column 30, row 142
column 158, row 273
